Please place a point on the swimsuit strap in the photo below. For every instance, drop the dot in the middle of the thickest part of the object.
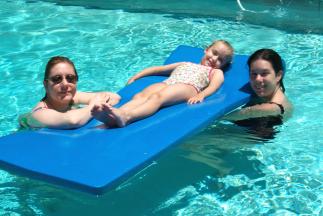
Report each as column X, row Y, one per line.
column 281, row 107
column 41, row 107
column 210, row 74
column 38, row 108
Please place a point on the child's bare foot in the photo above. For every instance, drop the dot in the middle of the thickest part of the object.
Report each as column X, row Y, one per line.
column 118, row 115
column 101, row 114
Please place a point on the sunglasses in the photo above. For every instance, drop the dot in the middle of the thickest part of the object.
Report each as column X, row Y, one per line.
column 70, row 78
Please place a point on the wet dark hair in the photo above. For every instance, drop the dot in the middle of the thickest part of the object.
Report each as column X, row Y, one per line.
column 54, row 61
column 271, row 56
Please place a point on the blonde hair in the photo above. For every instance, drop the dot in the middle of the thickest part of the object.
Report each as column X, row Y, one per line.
column 229, row 56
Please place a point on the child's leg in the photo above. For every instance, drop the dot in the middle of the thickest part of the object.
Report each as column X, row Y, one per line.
column 167, row 96
column 101, row 112
column 142, row 96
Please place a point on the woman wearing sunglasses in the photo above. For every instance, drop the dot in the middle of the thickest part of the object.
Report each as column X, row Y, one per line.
column 58, row 107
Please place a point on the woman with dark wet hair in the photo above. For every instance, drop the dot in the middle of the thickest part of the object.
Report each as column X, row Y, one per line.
column 269, row 105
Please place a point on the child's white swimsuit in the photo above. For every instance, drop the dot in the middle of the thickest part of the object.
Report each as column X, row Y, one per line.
column 189, row 73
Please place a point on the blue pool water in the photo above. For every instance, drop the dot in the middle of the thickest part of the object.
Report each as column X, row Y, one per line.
column 223, row 170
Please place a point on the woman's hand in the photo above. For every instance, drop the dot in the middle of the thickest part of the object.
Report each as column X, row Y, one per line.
column 99, row 98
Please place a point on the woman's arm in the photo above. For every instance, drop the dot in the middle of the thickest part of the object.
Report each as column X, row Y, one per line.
column 157, row 70
column 50, row 118
column 255, row 111
column 279, row 105
column 214, row 85
column 86, row 97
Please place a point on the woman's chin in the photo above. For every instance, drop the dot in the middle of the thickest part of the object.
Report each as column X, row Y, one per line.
column 66, row 98
column 260, row 93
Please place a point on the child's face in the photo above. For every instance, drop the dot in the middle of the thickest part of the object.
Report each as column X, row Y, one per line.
column 216, row 55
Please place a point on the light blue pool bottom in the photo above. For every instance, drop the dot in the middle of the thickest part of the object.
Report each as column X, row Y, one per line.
column 95, row 160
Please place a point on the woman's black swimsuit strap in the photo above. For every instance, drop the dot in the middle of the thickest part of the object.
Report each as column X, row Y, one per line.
column 281, row 107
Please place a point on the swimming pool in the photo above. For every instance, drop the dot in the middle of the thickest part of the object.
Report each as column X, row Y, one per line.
column 223, row 170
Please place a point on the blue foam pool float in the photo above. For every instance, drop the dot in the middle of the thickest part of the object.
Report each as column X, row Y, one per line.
column 95, row 160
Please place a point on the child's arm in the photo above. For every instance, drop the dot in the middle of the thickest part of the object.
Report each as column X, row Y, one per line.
column 215, row 83
column 157, row 70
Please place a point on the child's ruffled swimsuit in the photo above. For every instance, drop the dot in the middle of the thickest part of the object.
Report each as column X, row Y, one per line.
column 192, row 74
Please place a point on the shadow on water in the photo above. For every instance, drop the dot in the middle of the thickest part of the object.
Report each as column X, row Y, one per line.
column 226, row 149
column 286, row 15
column 222, row 153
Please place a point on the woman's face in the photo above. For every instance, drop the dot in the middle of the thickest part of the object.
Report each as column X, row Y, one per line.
column 61, row 83
column 263, row 79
